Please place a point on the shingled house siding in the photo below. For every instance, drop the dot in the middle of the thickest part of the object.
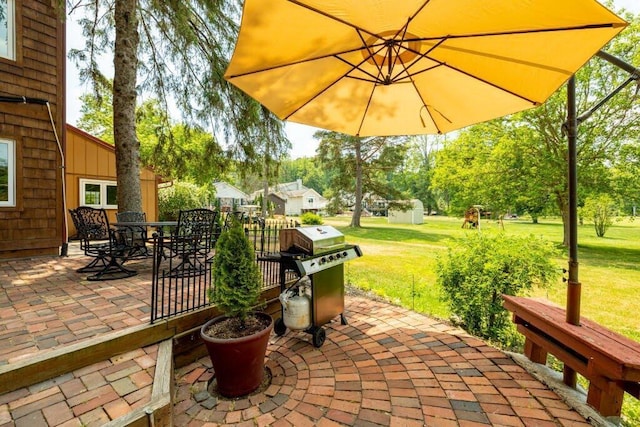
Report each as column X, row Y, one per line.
column 35, row 225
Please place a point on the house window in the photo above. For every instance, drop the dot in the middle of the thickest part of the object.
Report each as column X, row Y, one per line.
column 7, row 29
column 99, row 194
column 7, row 173
column 310, row 200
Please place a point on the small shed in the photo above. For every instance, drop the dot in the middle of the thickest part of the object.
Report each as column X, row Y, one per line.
column 413, row 215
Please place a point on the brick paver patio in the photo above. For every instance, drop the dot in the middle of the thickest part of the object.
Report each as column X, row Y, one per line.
column 44, row 303
column 388, row 366
column 93, row 395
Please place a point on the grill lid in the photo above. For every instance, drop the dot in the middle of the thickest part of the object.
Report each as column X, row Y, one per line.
column 311, row 240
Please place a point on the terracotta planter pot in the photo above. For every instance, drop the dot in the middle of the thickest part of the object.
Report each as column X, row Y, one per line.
column 239, row 362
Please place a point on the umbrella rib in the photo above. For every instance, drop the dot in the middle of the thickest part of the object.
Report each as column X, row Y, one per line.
column 422, row 55
column 334, row 18
column 506, row 33
column 424, row 103
column 532, row 64
column 364, row 115
column 442, row 40
column 411, row 18
column 409, row 76
column 535, row 103
column 370, row 55
column 428, row 108
column 515, row 32
column 396, row 49
column 328, row 86
column 507, row 59
column 374, row 79
column 288, row 64
column 330, row 55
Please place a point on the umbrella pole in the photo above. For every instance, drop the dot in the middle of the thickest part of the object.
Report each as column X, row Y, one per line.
column 574, row 287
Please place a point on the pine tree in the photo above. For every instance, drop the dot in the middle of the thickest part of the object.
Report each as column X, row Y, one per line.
column 236, row 276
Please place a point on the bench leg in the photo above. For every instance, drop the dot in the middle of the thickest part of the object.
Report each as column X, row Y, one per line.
column 534, row 352
column 606, row 399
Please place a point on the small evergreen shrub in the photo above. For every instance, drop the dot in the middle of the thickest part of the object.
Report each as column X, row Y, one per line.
column 477, row 271
column 236, row 277
column 309, row 218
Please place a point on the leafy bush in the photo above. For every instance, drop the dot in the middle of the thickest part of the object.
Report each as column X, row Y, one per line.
column 309, row 218
column 600, row 210
column 181, row 196
column 236, row 277
column 630, row 412
column 477, row 271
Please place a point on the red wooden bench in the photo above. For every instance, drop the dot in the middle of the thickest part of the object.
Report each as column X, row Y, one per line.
column 610, row 361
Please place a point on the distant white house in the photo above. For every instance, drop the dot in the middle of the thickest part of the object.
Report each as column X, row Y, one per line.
column 298, row 198
column 413, row 215
column 230, row 196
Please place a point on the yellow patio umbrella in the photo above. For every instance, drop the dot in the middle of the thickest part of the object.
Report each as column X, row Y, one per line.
column 390, row 67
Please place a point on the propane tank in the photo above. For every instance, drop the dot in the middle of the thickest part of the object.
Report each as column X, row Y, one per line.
column 296, row 307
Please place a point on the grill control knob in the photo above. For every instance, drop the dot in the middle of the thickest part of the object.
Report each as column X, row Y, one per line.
column 323, row 260
column 344, row 254
column 330, row 257
column 338, row 256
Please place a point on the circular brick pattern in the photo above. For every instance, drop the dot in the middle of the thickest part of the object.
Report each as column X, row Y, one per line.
column 389, row 366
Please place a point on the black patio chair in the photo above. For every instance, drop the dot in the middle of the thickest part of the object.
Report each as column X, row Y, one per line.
column 139, row 236
column 192, row 240
column 108, row 246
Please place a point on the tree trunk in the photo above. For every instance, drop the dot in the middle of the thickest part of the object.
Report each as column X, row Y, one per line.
column 265, row 200
column 127, row 146
column 357, row 209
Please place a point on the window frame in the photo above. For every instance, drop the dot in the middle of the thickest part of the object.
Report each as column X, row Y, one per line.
column 103, row 192
column 11, row 31
column 11, row 172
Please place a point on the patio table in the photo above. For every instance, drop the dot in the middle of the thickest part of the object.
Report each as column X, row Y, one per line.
column 158, row 225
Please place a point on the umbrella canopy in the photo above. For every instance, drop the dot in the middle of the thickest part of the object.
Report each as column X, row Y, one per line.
column 388, row 67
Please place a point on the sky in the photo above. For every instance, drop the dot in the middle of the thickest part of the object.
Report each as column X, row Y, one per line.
column 301, row 136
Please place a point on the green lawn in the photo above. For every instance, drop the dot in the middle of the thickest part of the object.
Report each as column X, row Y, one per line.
column 399, row 264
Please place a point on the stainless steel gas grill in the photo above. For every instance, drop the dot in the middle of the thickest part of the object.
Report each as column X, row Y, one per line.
column 319, row 253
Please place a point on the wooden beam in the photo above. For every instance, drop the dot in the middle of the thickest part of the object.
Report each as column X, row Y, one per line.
column 68, row 358
column 58, row 361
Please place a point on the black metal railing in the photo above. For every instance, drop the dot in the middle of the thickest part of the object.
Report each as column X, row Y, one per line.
column 182, row 273
column 265, row 237
column 181, row 276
